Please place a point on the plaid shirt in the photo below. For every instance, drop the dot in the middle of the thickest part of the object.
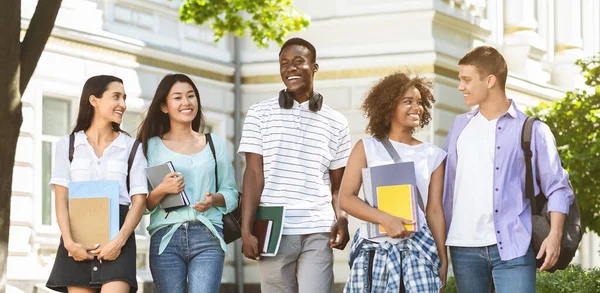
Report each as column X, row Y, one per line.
column 420, row 265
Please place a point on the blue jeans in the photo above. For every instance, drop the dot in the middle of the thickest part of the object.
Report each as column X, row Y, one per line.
column 479, row 269
column 194, row 256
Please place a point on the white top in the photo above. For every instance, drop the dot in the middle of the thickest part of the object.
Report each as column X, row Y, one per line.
column 473, row 219
column 299, row 147
column 426, row 157
column 111, row 166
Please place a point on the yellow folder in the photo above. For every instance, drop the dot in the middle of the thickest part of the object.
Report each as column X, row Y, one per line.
column 398, row 201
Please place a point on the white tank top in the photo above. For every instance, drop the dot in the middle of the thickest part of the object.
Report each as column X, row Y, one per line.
column 426, row 157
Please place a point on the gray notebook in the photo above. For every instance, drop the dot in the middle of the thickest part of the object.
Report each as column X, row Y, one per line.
column 155, row 175
column 385, row 175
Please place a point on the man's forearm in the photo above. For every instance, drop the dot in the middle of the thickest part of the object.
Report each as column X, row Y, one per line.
column 557, row 223
column 335, row 202
column 252, row 189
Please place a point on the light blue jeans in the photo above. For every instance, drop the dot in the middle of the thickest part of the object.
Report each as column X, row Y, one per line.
column 479, row 270
column 193, row 256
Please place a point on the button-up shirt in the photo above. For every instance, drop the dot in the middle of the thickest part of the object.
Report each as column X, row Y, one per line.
column 112, row 165
column 511, row 208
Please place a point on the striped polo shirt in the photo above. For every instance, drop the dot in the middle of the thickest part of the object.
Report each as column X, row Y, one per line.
column 299, row 147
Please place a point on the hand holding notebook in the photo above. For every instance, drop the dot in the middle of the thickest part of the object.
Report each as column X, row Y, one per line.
column 172, row 183
column 398, row 201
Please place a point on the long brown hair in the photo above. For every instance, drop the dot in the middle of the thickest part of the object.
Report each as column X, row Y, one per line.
column 96, row 86
column 157, row 122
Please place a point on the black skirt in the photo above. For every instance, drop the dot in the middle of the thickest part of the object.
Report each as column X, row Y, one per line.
column 67, row 272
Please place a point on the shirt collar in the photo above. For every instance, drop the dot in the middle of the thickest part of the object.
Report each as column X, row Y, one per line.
column 512, row 111
column 82, row 138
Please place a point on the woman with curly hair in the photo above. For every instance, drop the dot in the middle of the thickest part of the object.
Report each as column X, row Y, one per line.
column 402, row 261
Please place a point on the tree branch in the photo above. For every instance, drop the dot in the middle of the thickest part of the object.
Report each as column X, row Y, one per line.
column 36, row 37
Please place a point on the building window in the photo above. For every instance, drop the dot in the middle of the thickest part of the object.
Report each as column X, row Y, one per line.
column 56, row 122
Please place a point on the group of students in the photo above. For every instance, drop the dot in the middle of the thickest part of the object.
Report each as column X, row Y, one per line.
column 299, row 154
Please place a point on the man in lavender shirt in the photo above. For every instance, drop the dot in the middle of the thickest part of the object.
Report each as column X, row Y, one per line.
column 488, row 218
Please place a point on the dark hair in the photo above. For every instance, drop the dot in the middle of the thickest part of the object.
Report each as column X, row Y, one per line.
column 157, row 122
column 488, row 61
column 300, row 42
column 381, row 101
column 96, row 86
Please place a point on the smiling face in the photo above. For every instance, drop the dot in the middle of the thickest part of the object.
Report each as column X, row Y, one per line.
column 181, row 104
column 111, row 105
column 297, row 69
column 409, row 109
column 475, row 88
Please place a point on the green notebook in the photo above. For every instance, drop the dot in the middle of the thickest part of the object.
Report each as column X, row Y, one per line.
column 275, row 214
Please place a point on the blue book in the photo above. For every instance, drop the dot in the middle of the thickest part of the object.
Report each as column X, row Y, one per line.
column 95, row 189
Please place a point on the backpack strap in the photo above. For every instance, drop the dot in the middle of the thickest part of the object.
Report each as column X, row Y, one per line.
column 214, row 153
column 394, row 154
column 526, row 146
column 71, row 146
column 134, row 148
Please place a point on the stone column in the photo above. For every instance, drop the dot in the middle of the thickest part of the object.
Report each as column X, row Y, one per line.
column 568, row 42
column 520, row 33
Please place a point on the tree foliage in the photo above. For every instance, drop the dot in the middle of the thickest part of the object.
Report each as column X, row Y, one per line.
column 575, row 122
column 267, row 20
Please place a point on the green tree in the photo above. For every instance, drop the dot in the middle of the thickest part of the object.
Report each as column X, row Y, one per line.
column 267, row 20
column 18, row 59
column 575, row 122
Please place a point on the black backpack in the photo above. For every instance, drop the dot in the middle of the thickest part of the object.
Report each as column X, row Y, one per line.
column 540, row 218
column 232, row 221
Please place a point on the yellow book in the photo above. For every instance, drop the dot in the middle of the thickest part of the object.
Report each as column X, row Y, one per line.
column 398, row 201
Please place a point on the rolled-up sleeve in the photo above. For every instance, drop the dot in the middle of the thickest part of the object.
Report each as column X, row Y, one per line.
column 226, row 177
column 553, row 178
column 137, row 178
column 61, row 173
column 251, row 141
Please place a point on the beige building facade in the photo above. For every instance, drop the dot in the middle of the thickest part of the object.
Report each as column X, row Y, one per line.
column 357, row 42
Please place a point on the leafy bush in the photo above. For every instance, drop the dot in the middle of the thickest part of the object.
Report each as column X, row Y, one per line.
column 572, row 280
column 575, row 122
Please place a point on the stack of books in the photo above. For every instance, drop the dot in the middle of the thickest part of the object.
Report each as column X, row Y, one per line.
column 94, row 211
column 268, row 228
column 392, row 189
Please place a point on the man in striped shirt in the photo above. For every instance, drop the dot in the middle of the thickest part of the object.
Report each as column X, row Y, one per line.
column 296, row 149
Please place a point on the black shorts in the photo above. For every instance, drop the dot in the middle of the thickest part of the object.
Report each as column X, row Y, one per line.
column 67, row 272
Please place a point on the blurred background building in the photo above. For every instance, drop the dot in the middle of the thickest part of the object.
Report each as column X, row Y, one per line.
column 357, row 42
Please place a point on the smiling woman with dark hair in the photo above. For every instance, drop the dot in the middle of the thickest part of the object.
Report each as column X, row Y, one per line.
column 186, row 245
column 402, row 261
column 98, row 150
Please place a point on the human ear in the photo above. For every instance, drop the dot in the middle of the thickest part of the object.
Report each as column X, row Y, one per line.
column 93, row 101
column 491, row 81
